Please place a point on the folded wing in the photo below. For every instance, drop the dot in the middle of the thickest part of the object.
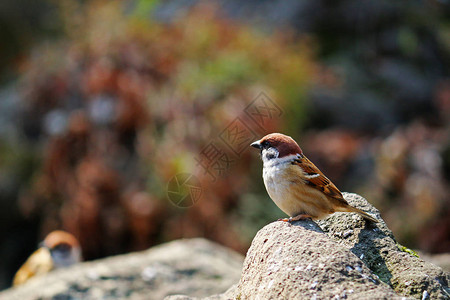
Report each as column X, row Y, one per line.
column 316, row 179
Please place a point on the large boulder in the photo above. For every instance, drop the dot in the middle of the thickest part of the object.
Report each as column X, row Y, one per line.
column 393, row 263
column 300, row 262
column 195, row 267
column 341, row 257
column 440, row 259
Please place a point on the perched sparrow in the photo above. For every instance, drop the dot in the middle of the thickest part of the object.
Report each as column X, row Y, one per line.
column 295, row 184
column 59, row 249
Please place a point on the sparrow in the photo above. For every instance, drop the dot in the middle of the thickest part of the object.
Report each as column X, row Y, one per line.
column 59, row 249
column 295, row 184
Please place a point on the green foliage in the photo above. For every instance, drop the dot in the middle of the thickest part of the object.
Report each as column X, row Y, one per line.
column 173, row 88
column 145, row 7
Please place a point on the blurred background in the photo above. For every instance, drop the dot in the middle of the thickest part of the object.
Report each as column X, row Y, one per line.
column 127, row 123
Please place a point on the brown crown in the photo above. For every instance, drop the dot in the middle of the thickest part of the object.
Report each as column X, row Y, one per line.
column 59, row 237
column 283, row 143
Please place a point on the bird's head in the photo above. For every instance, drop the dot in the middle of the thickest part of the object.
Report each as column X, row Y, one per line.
column 64, row 248
column 276, row 145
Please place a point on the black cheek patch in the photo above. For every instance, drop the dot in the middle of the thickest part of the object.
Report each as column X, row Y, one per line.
column 270, row 156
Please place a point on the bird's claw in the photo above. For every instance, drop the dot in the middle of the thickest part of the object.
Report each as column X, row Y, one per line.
column 296, row 218
column 289, row 220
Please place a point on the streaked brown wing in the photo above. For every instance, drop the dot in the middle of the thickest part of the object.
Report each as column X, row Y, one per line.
column 316, row 179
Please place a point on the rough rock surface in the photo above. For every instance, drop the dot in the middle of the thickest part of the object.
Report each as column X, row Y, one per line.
column 195, row 267
column 442, row 260
column 299, row 261
column 376, row 246
column 341, row 257
column 344, row 258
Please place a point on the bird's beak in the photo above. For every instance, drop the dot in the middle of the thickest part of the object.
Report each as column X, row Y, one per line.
column 256, row 144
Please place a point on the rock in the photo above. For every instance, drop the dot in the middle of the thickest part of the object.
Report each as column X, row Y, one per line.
column 196, row 267
column 442, row 259
column 301, row 262
column 395, row 265
column 344, row 258
column 341, row 257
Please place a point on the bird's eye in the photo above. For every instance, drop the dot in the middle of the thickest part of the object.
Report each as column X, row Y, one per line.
column 265, row 144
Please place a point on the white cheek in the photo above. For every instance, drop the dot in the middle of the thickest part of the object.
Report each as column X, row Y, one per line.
column 66, row 259
column 268, row 155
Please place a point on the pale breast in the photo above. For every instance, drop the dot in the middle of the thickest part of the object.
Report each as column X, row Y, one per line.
column 278, row 189
column 291, row 195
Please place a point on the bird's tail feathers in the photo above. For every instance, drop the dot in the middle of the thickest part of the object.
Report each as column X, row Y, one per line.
column 362, row 214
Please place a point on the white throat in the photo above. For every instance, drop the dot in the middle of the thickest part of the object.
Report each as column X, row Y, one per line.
column 65, row 259
column 269, row 155
column 270, row 158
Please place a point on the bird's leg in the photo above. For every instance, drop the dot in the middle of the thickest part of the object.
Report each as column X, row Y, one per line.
column 296, row 218
column 284, row 220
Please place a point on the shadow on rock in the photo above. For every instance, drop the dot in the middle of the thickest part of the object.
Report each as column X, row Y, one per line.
column 376, row 246
column 308, row 224
column 367, row 250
